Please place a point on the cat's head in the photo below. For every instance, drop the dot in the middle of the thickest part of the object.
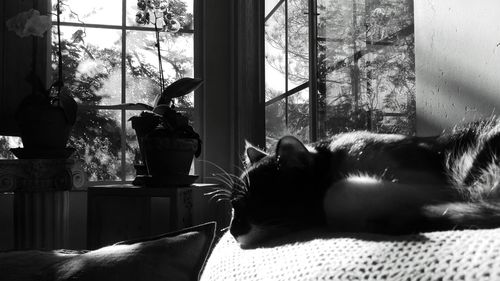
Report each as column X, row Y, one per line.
column 276, row 194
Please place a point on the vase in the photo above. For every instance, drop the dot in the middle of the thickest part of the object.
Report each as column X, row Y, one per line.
column 165, row 156
column 42, row 126
column 143, row 126
column 168, row 156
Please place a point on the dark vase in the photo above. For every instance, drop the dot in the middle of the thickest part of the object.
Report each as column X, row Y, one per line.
column 162, row 154
column 166, row 156
column 142, row 126
column 42, row 126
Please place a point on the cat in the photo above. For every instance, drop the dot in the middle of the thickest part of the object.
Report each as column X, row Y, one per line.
column 369, row 182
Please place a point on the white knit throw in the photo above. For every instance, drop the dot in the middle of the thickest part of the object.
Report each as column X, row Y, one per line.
column 448, row 255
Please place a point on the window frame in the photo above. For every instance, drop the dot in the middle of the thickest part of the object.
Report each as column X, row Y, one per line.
column 123, row 109
column 313, row 63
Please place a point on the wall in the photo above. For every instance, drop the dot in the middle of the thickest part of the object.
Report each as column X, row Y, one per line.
column 457, row 44
column 16, row 62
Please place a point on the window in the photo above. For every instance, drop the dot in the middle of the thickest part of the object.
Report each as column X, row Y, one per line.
column 110, row 60
column 359, row 55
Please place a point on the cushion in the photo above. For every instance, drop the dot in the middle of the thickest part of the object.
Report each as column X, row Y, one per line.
column 174, row 256
column 447, row 255
column 24, row 265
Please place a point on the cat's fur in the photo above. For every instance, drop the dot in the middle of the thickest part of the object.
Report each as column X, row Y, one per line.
column 367, row 182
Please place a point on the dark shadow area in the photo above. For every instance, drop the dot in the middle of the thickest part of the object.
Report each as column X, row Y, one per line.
column 322, row 233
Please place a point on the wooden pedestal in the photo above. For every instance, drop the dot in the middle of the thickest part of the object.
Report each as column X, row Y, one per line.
column 41, row 199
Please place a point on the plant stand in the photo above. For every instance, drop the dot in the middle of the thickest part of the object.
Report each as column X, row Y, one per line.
column 41, row 197
column 41, row 220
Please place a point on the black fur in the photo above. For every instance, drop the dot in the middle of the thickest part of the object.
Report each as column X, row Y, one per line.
column 413, row 184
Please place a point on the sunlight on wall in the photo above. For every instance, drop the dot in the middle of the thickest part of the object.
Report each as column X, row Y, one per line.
column 457, row 62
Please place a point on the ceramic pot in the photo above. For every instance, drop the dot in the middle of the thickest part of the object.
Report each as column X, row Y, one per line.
column 143, row 126
column 43, row 126
column 164, row 154
column 168, row 155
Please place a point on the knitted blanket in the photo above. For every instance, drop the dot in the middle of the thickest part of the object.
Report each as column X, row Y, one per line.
column 448, row 255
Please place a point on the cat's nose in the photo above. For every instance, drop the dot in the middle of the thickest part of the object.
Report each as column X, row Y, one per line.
column 238, row 228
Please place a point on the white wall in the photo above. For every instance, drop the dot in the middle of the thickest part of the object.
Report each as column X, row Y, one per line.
column 457, row 45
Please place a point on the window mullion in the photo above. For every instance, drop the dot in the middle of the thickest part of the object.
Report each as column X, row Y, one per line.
column 123, row 138
column 271, row 13
column 313, row 70
column 286, row 62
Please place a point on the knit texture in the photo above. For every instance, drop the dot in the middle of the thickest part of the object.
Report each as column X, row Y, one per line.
column 448, row 255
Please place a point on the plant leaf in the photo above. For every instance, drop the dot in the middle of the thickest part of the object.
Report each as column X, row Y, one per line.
column 179, row 88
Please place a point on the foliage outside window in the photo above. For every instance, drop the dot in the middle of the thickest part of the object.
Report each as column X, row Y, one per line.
column 109, row 59
column 360, row 56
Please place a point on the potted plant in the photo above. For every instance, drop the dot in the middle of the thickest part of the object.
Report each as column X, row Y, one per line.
column 167, row 141
column 45, row 117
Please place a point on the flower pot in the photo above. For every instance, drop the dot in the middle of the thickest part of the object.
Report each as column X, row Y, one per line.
column 167, row 150
column 43, row 127
column 168, row 155
column 143, row 126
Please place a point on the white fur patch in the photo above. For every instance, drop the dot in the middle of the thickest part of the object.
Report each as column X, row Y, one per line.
column 363, row 179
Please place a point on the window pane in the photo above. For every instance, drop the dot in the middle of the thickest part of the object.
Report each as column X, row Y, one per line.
column 143, row 77
column 287, row 67
column 6, row 143
column 298, row 68
column 132, row 151
column 298, row 43
column 366, row 65
column 298, row 115
column 91, row 11
column 275, row 54
column 394, row 124
column 97, row 138
column 270, row 5
column 182, row 11
column 275, row 122
column 91, row 64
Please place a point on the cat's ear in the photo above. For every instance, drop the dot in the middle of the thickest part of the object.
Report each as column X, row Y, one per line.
column 252, row 154
column 292, row 153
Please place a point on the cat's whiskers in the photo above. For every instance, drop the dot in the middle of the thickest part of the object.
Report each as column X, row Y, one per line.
column 230, row 182
column 241, row 170
column 230, row 189
column 245, row 181
column 218, row 191
column 227, row 175
column 219, row 197
column 227, row 183
column 231, row 177
column 237, row 183
column 228, row 179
